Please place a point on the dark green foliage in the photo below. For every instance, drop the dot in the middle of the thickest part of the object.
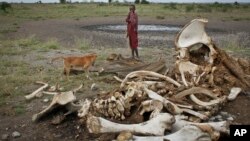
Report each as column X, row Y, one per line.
column 4, row 6
column 62, row 1
column 144, row 2
column 137, row 1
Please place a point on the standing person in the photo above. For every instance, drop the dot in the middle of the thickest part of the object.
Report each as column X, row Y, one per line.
column 132, row 28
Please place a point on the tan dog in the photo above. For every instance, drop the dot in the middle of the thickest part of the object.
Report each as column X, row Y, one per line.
column 84, row 61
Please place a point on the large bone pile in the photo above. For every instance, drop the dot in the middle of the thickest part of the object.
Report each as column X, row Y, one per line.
column 180, row 102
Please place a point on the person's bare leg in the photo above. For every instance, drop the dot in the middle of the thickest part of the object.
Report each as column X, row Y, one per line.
column 133, row 52
column 136, row 52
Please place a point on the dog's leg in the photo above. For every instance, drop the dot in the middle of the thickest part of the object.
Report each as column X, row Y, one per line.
column 67, row 71
column 86, row 70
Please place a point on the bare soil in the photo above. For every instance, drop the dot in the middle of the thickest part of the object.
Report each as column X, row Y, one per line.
column 66, row 31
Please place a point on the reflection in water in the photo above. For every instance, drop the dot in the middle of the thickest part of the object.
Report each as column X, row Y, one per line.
column 140, row 28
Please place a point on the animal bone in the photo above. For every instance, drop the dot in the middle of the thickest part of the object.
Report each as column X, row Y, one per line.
column 196, row 28
column 211, row 102
column 151, row 105
column 195, row 90
column 83, row 111
column 197, row 114
column 62, row 98
column 234, row 92
column 184, row 66
column 221, row 126
column 148, row 73
column 187, row 133
column 187, row 37
column 155, row 126
column 170, row 106
column 38, row 91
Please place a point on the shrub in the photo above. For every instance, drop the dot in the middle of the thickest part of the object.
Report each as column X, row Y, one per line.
column 4, row 6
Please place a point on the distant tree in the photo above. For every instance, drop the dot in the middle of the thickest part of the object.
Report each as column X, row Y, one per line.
column 137, row 1
column 236, row 3
column 4, row 6
column 62, row 1
column 144, row 2
column 110, row 1
column 216, row 3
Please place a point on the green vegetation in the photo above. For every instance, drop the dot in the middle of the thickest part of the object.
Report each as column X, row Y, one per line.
column 49, row 11
column 9, row 22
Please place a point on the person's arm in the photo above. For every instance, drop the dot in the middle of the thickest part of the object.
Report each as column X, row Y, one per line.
column 128, row 17
column 136, row 22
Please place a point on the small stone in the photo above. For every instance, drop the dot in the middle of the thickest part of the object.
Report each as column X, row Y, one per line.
column 16, row 134
column 5, row 137
column 225, row 114
column 230, row 118
column 46, row 100
column 218, row 117
column 212, row 119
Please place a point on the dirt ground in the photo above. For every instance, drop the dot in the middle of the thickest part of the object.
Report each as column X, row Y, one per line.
column 66, row 31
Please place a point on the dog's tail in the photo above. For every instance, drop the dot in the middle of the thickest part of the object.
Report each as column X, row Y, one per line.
column 56, row 58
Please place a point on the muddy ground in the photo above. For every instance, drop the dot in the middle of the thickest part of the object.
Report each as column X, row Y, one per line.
column 66, row 31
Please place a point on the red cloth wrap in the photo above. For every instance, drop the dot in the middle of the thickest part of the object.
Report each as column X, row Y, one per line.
column 132, row 26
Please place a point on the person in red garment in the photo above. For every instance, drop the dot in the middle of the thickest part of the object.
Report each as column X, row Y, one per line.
column 132, row 28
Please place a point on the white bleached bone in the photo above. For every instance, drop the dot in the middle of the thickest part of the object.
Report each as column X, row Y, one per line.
column 185, row 66
column 221, row 126
column 155, row 126
column 197, row 114
column 151, row 105
column 85, row 105
column 187, row 133
column 172, row 107
column 62, row 98
column 195, row 90
column 234, row 92
column 148, row 73
column 38, row 91
column 211, row 102
column 194, row 33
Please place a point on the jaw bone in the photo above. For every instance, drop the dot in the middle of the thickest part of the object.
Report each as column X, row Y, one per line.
column 155, row 126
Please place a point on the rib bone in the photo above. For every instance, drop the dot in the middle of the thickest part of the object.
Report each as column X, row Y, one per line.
column 148, row 73
column 37, row 92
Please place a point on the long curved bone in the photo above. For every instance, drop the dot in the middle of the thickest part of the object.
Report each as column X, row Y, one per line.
column 211, row 102
column 38, row 91
column 187, row 133
column 155, row 126
column 148, row 73
column 195, row 90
